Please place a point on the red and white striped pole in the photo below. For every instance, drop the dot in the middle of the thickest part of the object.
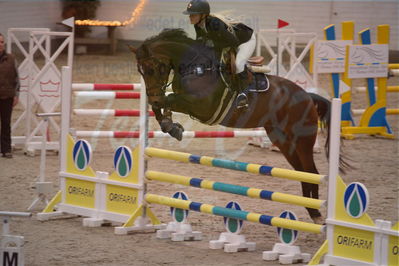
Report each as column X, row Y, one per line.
column 106, row 95
column 160, row 134
column 105, row 87
column 108, row 112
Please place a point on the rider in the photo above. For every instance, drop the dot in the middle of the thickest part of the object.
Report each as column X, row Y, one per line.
column 220, row 34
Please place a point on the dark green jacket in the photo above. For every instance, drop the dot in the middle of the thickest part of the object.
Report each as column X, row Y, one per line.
column 216, row 34
column 9, row 80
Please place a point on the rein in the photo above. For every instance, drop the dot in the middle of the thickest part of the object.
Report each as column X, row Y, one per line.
column 198, row 69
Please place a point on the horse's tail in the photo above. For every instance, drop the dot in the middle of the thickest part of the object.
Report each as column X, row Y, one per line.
column 323, row 107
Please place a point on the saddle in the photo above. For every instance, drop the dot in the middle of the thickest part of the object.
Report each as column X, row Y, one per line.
column 255, row 68
column 256, row 74
column 255, row 65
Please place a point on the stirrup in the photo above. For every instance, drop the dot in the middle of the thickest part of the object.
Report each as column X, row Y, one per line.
column 240, row 104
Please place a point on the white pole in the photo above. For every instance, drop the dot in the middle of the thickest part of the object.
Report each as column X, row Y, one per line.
column 66, row 91
column 15, row 214
column 333, row 168
column 6, row 216
column 29, row 91
column 48, row 48
column 258, row 44
column 9, row 42
column 43, row 151
column 71, row 46
column 66, row 79
column 278, row 51
column 143, row 142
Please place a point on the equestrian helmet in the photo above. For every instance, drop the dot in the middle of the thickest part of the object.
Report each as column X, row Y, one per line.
column 197, row 7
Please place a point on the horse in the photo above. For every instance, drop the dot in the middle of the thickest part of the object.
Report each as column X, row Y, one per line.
column 201, row 89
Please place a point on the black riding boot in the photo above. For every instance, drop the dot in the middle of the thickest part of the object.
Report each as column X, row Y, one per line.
column 242, row 98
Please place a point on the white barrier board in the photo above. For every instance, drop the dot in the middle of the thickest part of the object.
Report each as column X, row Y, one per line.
column 368, row 61
column 329, row 56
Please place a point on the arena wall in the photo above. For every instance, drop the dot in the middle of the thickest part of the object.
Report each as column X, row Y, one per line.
column 30, row 14
column 304, row 16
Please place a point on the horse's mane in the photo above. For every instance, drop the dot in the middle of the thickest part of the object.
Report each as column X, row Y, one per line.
column 173, row 35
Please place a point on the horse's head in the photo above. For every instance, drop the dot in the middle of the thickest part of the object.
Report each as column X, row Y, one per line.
column 155, row 59
column 155, row 69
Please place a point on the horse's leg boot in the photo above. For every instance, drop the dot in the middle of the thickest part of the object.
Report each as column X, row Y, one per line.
column 166, row 124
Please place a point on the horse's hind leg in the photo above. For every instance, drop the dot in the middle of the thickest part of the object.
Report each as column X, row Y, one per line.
column 304, row 152
column 299, row 155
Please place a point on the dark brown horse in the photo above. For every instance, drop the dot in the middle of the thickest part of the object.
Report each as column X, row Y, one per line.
column 200, row 85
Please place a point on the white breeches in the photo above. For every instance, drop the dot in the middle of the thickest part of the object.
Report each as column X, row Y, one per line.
column 245, row 51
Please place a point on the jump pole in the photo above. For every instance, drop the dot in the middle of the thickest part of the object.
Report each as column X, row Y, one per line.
column 160, row 134
column 236, row 165
column 109, row 112
column 394, row 70
column 235, row 189
column 235, row 214
column 105, row 87
column 106, row 95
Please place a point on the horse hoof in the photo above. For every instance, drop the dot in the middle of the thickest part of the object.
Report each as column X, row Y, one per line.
column 177, row 131
column 179, row 126
column 176, row 134
column 319, row 220
column 166, row 125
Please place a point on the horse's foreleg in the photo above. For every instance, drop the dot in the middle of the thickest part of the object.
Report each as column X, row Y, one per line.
column 172, row 102
column 168, row 126
column 157, row 112
column 164, row 119
column 166, row 123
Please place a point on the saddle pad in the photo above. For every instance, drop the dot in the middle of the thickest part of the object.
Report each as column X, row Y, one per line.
column 261, row 84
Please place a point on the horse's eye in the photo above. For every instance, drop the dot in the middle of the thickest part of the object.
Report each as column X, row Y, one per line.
column 162, row 69
column 145, row 70
column 150, row 71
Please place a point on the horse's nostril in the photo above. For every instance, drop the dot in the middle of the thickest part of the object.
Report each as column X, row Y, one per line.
column 153, row 101
column 156, row 104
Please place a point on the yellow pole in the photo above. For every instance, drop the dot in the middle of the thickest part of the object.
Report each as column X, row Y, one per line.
column 382, row 38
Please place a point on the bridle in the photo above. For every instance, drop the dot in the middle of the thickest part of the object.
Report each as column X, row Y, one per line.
column 162, row 85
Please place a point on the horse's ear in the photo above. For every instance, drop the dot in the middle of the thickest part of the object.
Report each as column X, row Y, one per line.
column 133, row 49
